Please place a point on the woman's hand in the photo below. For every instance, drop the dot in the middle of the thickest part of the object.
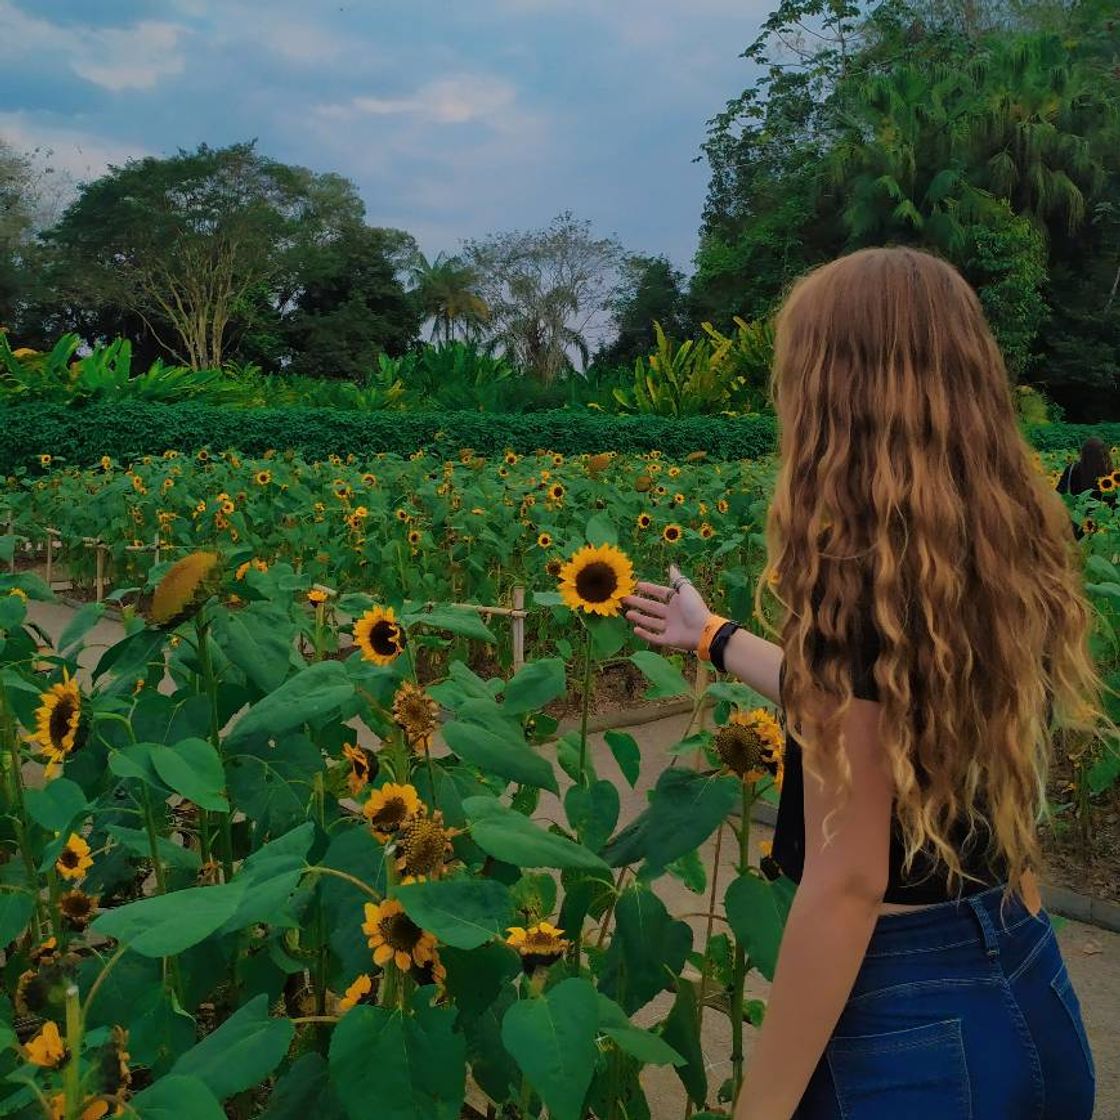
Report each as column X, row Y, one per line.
column 668, row 616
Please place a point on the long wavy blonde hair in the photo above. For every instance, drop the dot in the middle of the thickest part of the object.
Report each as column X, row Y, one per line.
column 907, row 500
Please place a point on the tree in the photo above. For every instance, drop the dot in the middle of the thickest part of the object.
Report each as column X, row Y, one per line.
column 544, row 289
column 17, row 209
column 351, row 305
column 192, row 245
column 651, row 290
column 446, row 290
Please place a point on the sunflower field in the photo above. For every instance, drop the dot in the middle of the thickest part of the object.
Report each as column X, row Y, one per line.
column 253, row 865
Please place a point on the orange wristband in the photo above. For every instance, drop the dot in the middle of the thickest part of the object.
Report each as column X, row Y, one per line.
column 703, row 646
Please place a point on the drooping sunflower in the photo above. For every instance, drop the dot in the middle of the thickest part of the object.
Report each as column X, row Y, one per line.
column 361, row 991
column 74, row 860
column 596, row 579
column 539, row 946
column 750, row 745
column 78, row 909
column 424, row 845
column 361, row 767
column 389, row 808
column 643, row 483
column 394, row 936
column 47, row 1049
column 60, row 726
column 114, row 1077
column 379, row 636
column 185, row 587
column 671, row 533
column 415, row 712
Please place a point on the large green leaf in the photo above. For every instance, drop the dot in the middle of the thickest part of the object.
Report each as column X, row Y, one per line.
column 456, row 620
column 269, row 876
column 685, row 808
column 593, row 811
column 626, row 753
column 303, row 1091
column 601, row 529
column 552, row 1038
column 534, row 686
column 647, row 951
column 665, row 679
column 167, row 924
column 258, row 640
column 311, row 695
column 56, row 805
column 84, row 620
column 507, row 835
column 138, row 842
column 16, row 909
column 461, row 912
column 243, row 1051
column 175, row 1098
column 397, row 1066
column 500, row 755
column 682, row 1034
column 757, row 910
column 649, row 1048
column 192, row 768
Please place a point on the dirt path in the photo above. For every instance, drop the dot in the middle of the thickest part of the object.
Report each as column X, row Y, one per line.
column 1092, row 955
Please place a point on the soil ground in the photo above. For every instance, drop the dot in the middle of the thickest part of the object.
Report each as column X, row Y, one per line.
column 1092, row 954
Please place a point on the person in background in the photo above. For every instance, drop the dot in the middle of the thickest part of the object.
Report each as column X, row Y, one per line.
column 931, row 633
column 1089, row 471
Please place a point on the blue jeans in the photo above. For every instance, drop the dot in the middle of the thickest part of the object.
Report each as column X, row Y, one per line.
column 961, row 1011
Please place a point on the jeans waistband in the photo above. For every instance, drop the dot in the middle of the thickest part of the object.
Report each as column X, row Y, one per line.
column 973, row 919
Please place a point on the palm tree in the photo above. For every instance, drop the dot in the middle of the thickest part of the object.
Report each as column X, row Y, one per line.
column 446, row 289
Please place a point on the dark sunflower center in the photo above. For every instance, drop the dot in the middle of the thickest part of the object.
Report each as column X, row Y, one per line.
column 740, row 749
column 76, row 905
column 541, row 943
column 391, row 815
column 360, row 765
column 59, row 725
column 384, row 637
column 400, row 932
column 596, row 582
column 424, row 844
column 69, row 858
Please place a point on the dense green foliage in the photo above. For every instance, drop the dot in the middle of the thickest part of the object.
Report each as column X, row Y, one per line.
column 986, row 133
column 124, row 431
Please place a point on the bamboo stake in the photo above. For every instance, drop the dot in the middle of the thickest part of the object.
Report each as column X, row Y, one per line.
column 518, row 627
column 99, row 584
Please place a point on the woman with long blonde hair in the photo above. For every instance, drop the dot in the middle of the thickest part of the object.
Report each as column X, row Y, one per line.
column 932, row 634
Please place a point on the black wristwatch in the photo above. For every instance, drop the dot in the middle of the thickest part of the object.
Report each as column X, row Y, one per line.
column 718, row 646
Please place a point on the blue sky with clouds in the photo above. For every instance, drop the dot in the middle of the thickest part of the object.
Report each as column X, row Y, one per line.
column 453, row 119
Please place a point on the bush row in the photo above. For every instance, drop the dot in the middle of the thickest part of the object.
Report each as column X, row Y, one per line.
column 82, row 435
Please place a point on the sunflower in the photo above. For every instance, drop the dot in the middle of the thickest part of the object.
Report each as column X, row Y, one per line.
column 643, row 483
column 1115, row 476
column 544, row 540
column 59, row 726
column 185, row 586
column 415, row 537
column 378, row 635
column 227, row 506
column 113, row 1074
column 671, row 533
column 706, row 531
column 390, row 808
column 361, row 768
column 557, row 459
column 596, row 579
column 722, row 505
column 316, row 596
column 361, row 991
column 415, row 712
column 678, row 499
column 431, row 972
column 95, row 1110
column 74, row 860
column 47, row 1048
column 1106, row 484
column 106, row 463
column 767, row 864
column 202, row 455
column 78, row 909
column 394, row 936
column 424, row 845
column 262, row 477
column 45, row 460
column 403, row 515
column 510, row 458
column 369, row 479
column 556, row 491
column 644, row 521
column 554, row 567
column 750, row 745
column 539, row 946
column 250, row 565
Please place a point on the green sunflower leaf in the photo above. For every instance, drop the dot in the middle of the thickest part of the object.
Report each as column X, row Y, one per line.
column 507, row 835
column 503, row 756
column 172, row 1098
column 311, row 695
column 534, row 686
column 757, row 910
column 665, row 679
column 463, row 912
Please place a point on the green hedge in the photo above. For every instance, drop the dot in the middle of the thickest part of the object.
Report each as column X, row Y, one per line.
column 82, row 435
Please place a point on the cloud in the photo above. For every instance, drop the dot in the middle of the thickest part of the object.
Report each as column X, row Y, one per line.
column 68, row 151
column 454, row 100
column 113, row 58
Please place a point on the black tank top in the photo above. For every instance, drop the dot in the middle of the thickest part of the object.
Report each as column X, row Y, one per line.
column 927, row 880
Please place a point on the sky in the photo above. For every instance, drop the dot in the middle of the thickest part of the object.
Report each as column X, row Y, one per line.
column 454, row 119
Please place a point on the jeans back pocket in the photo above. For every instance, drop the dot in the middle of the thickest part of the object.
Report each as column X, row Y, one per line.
column 916, row 1074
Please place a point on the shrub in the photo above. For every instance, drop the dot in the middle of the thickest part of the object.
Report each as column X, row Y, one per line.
column 1070, row 437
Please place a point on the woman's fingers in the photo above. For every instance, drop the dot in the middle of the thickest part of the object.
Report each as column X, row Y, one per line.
column 655, row 590
column 646, row 622
column 653, row 607
column 649, row 636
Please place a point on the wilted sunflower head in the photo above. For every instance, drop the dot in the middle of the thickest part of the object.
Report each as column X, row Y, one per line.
column 379, row 636
column 423, row 844
column 415, row 712
column 361, row 991
column 363, row 766
column 78, row 909
column 390, row 807
column 113, row 1074
column 60, row 725
column 539, row 946
column 47, row 1049
column 184, row 588
column 394, row 936
column 750, row 744
column 596, row 579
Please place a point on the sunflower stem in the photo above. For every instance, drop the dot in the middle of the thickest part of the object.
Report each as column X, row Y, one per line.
column 587, row 663
column 72, row 1073
column 20, row 822
column 225, row 829
column 352, row 880
column 153, row 840
column 739, row 973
